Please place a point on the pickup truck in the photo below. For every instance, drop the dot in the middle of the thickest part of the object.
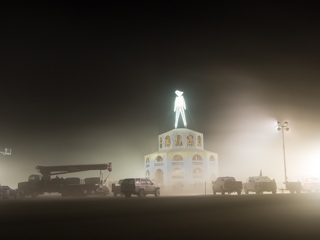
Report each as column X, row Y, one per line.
column 259, row 184
column 116, row 188
column 226, row 184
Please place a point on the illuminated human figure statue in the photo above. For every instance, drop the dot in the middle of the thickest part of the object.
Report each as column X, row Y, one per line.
column 179, row 107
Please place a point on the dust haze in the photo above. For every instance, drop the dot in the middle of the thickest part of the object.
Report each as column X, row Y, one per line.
column 237, row 116
column 99, row 88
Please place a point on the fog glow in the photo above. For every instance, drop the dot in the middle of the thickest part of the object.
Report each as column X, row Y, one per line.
column 312, row 163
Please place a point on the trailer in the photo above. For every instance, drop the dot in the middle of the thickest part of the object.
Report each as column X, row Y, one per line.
column 45, row 182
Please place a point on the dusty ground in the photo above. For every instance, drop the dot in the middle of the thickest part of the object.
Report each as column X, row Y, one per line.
column 281, row 216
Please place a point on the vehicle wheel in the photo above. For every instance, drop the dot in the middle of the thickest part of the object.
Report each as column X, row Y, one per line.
column 127, row 195
column 142, row 193
column 157, row 193
column 222, row 193
column 239, row 192
column 246, row 191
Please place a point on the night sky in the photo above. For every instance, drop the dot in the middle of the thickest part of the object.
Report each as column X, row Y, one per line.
column 85, row 82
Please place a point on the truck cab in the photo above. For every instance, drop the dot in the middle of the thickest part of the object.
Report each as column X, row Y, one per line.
column 35, row 177
column 38, row 184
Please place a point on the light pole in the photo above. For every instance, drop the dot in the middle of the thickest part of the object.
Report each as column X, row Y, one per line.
column 283, row 127
column 7, row 151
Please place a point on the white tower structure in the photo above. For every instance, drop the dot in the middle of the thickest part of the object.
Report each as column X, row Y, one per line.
column 181, row 162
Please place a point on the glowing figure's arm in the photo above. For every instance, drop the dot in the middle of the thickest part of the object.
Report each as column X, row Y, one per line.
column 183, row 103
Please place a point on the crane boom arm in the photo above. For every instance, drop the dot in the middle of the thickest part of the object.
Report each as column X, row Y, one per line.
column 55, row 170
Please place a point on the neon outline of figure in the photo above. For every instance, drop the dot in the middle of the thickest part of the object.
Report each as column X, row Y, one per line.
column 179, row 107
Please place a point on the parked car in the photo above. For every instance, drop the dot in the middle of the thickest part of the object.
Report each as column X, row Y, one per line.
column 6, row 192
column 140, row 187
column 226, row 184
column 260, row 184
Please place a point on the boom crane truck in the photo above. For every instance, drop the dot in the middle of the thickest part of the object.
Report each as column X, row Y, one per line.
column 73, row 186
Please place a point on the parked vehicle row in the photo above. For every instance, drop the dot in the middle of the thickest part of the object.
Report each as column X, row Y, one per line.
column 257, row 184
column 144, row 186
column 125, row 187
